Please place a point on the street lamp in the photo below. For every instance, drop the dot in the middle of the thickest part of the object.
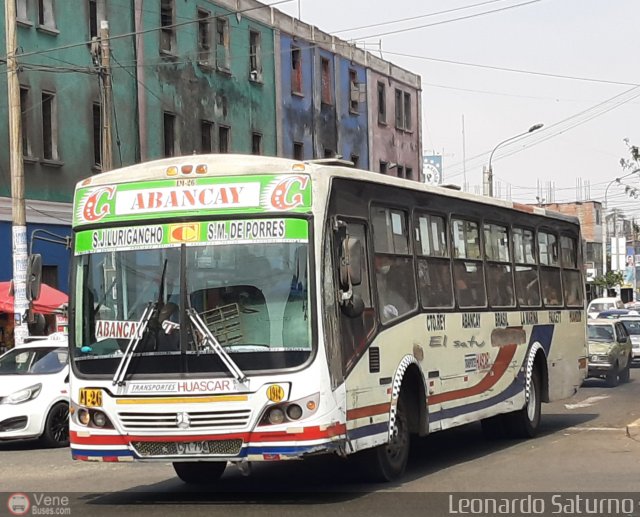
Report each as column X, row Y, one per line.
column 604, row 220
column 488, row 183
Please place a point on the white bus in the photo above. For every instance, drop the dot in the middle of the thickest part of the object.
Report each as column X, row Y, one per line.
column 243, row 308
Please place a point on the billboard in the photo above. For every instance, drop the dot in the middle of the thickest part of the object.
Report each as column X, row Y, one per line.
column 432, row 168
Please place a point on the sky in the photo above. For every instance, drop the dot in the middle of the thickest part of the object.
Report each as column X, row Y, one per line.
column 491, row 69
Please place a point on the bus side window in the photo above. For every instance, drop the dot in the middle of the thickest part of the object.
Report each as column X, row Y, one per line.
column 468, row 268
column 434, row 263
column 526, row 272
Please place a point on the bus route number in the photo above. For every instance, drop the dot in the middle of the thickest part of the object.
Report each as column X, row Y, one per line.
column 91, row 397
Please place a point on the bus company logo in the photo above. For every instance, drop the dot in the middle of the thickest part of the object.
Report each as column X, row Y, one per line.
column 97, row 204
column 184, row 232
column 18, row 504
column 183, row 421
column 288, row 193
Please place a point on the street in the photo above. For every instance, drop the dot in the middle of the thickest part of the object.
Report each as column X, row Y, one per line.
column 589, row 444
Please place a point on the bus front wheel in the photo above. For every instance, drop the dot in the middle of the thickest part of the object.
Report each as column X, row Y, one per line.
column 199, row 472
column 388, row 462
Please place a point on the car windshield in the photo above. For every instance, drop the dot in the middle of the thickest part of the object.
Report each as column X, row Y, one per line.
column 33, row 361
column 252, row 296
column 601, row 307
column 632, row 326
column 600, row 332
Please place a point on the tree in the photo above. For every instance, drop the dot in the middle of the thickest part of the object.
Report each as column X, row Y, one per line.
column 610, row 280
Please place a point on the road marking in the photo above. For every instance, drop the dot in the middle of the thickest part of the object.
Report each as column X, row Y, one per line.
column 578, row 428
column 586, row 402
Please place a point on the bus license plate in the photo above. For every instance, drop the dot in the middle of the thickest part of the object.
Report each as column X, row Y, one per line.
column 90, row 397
column 193, row 447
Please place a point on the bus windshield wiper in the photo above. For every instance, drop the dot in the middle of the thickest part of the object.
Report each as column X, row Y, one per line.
column 143, row 323
column 151, row 309
column 210, row 339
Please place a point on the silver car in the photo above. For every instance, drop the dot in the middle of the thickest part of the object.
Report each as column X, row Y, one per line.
column 632, row 324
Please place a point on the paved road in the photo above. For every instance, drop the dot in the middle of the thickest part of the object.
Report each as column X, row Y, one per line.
column 589, row 443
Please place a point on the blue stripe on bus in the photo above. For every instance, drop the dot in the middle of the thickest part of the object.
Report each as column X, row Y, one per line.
column 543, row 334
column 368, row 430
column 100, row 452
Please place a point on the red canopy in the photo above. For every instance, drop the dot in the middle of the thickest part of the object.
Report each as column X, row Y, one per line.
column 50, row 299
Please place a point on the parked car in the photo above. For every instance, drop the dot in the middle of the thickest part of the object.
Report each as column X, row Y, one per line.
column 632, row 324
column 610, row 350
column 614, row 313
column 598, row 305
column 34, row 391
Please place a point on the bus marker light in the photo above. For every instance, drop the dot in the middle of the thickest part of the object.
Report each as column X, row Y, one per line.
column 187, row 169
column 201, row 169
column 172, row 171
column 311, row 405
column 298, row 167
column 275, row 393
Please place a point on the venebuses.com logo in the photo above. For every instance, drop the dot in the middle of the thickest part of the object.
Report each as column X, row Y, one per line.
column 18, row 504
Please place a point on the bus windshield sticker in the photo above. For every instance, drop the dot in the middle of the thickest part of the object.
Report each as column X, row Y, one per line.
column 251, row 231
column 220, row 195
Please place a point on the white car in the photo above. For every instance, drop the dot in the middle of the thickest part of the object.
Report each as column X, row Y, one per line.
column 599, row 305
column 632, row 324
column 34, row 391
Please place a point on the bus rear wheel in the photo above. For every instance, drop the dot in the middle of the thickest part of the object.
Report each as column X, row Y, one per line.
column 388, row 462
column 525, row 423
column 199, row 472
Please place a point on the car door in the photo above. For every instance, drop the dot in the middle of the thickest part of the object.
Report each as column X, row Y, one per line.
column 623, row 345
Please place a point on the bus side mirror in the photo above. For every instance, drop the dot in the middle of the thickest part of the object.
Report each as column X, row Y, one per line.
column 353, row 307
column 350, row 262
column 34, row 276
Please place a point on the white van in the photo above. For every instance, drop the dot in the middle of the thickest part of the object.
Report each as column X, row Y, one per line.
column 598, row 305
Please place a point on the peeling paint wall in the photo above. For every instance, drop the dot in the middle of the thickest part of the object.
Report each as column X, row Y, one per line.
column 194, row 91
column 389, row 143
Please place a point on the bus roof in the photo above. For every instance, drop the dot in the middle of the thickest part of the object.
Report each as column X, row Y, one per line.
column 239, row 165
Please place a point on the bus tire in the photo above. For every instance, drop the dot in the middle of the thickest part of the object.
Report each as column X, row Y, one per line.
column 525, row 423
column 388, row 462
column 612, row 377
column 199, row 472
column 625, row 374
column 56, row 426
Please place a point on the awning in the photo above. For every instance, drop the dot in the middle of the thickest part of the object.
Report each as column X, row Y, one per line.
column 49, row 301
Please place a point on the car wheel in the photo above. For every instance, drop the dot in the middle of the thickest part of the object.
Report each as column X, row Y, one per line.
column 56, row 426
column 625, row 374
column 612, row 377
column 200, row 472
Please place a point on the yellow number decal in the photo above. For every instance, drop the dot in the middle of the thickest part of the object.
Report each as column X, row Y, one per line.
column 90, row 397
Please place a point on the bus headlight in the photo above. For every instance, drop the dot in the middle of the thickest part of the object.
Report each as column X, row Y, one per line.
column 290, row 411
column 99, row 419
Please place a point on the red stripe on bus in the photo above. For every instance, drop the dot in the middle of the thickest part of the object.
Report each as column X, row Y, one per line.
column 362, row 412
column 504, row 358
column 306, row 433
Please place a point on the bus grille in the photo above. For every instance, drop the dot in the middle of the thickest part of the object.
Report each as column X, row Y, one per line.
column 213, row 448
column 200, row 420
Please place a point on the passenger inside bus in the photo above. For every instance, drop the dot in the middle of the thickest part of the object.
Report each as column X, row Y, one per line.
column 392, row 302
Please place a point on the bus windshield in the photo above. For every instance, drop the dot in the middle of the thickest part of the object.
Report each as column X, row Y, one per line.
column 252, row 297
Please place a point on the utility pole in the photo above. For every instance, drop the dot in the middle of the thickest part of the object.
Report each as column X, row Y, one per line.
column 105, row 72
column 19, row 227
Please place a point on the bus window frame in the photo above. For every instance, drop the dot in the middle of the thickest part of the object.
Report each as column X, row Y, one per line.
column 534, row 265
column 456, row 261
column 510, row 263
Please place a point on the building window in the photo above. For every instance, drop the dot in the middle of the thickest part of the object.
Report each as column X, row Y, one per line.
column 400, row 170
column 328, row 153
column 21, row 11
column 355, row 159
column 325, row 70
column 223, row 139
column 298, row 151
column 408, row 173
column 222, row 44
column 296, row 70
column 383, row 167
column 403, row 110
column 167, row 30
column 354, row 91
column 49, row 127
column 24, row 109
column 598, row 216
column 97, row 135
column 169, row 134
column 96, row 14
column 206, row 136
column 204, row 38
column 45, row 14
column 382, row 103
column 256, row 143
column 255, row 56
